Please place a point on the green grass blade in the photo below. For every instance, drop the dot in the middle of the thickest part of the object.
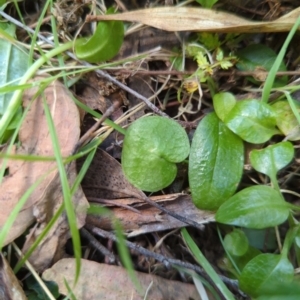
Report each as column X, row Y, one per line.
column 292, row 105
column 271, row 76
column 125, row 255
column 66, row 191
column 206, row 265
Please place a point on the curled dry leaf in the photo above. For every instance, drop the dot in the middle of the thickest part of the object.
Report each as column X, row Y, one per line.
column 200, row 19
column 137, row 217
column 112, row 282
column 34, row 138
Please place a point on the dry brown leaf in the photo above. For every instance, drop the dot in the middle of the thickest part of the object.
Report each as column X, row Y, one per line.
column 105, row 179
column 10, row 288
column 106, row 282
column 200, row 19
column 151, row 219
column 35, row 139
column 51, row 248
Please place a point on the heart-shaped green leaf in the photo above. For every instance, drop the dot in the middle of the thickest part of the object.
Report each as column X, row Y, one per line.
column 151, row 149
column 103, row 45
column 254, row 207
column 223, row 104
column 260, row 57
column 215, row 164
column 263, row 271
column 286, row 120
column 272, row 159
column 252, row 120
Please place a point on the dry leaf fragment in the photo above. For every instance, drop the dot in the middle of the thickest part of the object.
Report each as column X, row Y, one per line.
column 51, row 248
column 200, row 19
column 112, row 282
column 151, row 219
column 35, row 139
column 105, row 179
column 10, row 288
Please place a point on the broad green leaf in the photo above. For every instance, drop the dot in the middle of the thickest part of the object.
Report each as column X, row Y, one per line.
column 236, row 242
column 103, row 45
column 223, row 104
column 215, row 163
column 282, row 291
column 14, row 62
column 263, row 271
column 151, row 149
column 254, row 207
column 272, row 159
column 252, row 120
column 286, row 120
column 258, row 57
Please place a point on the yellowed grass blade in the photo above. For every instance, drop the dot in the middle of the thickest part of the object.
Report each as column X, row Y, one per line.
column 200, row 19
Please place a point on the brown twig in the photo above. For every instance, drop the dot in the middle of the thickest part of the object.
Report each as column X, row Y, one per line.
column 99, row 247
column 168, row 262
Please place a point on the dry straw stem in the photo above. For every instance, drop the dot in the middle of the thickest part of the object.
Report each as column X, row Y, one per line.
column 200, row 19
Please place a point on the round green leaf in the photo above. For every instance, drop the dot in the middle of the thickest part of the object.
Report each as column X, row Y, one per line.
column 103, row 45
column 223, row 104
column 254, row 207
column 236, row 242
column 215, row 163
column 252, row 120
column 286, row 120
column 273, row 158
column 260, row 57
column 263, row 271
column 151, row 149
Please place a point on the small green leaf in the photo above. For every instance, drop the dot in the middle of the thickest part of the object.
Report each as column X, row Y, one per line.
column 151, row 149
column 282, row 291
column 215, row 163
column 254, row 207
column 14, row 62
column 103, row 45
column 211, row 41
column 207, row 3
column 286, row 120
column 223, row 104
column 272, row 159
column 252, row 120
column 36, row 292
column 260, row 57
column 264, row 271
column 236, row 242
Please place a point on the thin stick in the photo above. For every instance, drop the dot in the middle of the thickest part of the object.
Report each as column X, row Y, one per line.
column 168, row 262
column 98, row 246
